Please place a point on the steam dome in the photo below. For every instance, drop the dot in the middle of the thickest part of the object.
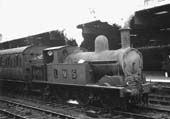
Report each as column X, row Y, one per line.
column 101, row 43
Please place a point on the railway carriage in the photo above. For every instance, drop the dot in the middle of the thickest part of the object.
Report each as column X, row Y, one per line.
column 16, row 62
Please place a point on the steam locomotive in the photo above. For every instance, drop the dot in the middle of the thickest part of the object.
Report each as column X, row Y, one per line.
column 111, row 77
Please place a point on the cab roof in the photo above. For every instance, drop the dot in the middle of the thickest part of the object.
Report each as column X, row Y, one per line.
column 56, row 48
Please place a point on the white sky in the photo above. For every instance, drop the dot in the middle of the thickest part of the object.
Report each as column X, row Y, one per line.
column 21, row 18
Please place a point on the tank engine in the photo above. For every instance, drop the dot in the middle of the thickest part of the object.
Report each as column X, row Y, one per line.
column 116, row 74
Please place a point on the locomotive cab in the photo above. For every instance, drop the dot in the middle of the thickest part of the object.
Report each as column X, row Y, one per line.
column 58, row 54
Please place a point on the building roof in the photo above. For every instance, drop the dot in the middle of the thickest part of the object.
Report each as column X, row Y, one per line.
column 156, row 17
column 96, row 24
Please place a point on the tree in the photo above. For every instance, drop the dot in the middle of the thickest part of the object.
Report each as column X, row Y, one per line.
column 71, row 42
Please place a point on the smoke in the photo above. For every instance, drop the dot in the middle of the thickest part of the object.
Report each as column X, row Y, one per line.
column 0, row 37
column 127, row 22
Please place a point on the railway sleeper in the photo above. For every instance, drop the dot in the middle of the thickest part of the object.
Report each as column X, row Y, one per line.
column 154, row 101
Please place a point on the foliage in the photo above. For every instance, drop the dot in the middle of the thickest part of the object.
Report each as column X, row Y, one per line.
column 112, row 33
column 71, row 42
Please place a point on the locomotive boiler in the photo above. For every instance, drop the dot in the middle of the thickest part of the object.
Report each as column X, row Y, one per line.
column 126, row 63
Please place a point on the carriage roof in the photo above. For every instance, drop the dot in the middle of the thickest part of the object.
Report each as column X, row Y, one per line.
column 23, row 50
column 14, row 50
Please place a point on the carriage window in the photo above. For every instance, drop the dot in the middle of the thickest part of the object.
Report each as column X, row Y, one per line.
column 10, row 61
column 3, row 61
column 7, row 61
column 19, row 60
column 16, row 61
column 0, row 61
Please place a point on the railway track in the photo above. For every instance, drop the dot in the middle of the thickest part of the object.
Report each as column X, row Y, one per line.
column 23, row 111
column 151, row 112
column 160, row 95
column 5, row 114
column 101, row 113
column 157, row 99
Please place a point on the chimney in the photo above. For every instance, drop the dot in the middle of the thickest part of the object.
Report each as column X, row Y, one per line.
column 0, row 37
column 125, row 37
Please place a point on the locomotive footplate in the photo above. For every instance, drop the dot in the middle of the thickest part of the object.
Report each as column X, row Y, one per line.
column 121, row 90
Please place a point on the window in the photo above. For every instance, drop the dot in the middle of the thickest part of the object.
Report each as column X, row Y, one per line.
column 48, row 56
column 7, row 61
column 10, row 61
column 19, row 60
column 14, row 61
column 3, row 61
column 0, row 61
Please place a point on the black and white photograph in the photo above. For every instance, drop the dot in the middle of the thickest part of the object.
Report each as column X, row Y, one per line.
column 84, row 59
